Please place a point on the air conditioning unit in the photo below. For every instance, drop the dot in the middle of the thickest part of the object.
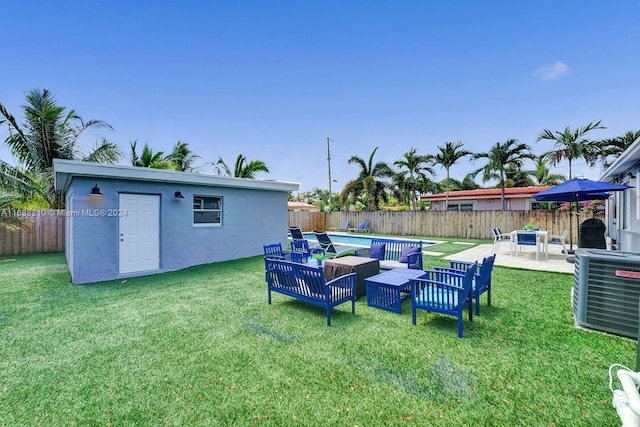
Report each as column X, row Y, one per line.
column 606, row 291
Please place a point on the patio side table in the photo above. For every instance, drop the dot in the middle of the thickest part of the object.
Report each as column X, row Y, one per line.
column 384, row 289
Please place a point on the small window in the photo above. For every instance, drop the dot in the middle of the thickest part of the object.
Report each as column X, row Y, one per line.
column 207, row 210
column 460, row 207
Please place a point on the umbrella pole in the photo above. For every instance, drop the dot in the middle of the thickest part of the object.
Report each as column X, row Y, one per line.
column 570, row 226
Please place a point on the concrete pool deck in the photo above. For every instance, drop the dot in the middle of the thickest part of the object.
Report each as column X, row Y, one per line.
column 525, row 260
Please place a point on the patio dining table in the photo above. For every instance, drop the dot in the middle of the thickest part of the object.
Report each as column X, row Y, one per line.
column 542, row 237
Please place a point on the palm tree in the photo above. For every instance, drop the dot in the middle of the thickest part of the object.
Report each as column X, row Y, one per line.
column 149, row 159
column 447, row 157
column 183, row 157
column 541, row 175
column 49, row 132
column 242, row 168
column 499, row 158
column 610, row 149
column 416, row 166
column 367, row 183
column 570, row 144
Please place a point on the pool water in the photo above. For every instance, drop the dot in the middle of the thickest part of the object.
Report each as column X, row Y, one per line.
column 364, row 241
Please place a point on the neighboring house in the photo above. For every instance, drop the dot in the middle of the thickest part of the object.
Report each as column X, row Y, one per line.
column 148, row 221
column 301, row 206
column 485, row 199
column 622, row 214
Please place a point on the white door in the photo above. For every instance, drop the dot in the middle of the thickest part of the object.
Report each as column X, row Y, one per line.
column 139, row 232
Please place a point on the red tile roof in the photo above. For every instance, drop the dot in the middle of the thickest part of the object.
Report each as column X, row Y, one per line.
column 486, row 192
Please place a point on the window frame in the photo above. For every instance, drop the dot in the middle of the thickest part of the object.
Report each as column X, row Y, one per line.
column 458, row 206
column 194, row 210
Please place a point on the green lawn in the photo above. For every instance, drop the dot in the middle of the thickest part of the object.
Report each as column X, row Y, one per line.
column 202, row 347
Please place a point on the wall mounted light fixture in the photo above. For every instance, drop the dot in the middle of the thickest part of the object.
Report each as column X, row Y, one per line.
column 630, row 175
column 178, row 194
column 95, row 191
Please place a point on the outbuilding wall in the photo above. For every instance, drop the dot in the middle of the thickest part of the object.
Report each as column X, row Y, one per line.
column 250, row 219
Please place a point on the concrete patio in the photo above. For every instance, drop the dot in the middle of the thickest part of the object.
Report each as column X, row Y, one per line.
column 526, row 259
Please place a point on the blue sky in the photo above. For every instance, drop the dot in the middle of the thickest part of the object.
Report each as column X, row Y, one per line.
column 273, row 79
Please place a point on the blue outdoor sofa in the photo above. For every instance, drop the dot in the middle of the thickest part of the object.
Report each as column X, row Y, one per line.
column 394, row 253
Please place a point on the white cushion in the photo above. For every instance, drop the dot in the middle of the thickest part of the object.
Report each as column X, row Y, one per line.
column 389, row 264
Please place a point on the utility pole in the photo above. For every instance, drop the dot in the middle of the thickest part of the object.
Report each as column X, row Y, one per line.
column 329, row 163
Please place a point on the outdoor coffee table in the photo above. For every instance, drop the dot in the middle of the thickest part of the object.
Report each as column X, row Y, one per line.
column 384, row 289
column 362, row 266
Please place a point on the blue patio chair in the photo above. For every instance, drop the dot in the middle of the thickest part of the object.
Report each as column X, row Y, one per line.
column 443, row 292
column 302, row 247
column 527, row 238
column 481, row 280
column 362, row 228
column 275, row 251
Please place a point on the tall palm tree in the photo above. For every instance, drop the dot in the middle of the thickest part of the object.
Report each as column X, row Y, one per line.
column 541, row 175
column 499, row 158
column 242, row 168
column 416, row 166
column 149, row 159
column 610, row 149
column 367, row 184
column 49, row 132
column 183, row 158
column 570, row 144
column 447, row 157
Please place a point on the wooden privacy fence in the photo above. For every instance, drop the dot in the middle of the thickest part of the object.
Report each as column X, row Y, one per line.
column 44, row 232
column 46, row 229
column 469, row 224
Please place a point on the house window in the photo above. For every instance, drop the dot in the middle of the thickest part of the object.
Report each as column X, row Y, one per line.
column 544, row 206
column 460, row 207
column 207, row 210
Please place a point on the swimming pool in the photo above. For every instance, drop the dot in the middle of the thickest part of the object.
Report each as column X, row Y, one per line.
column 364, row 241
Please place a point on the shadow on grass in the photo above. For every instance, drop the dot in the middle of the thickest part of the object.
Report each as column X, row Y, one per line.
column 255, row 326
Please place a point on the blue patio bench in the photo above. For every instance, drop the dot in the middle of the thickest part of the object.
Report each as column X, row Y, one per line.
column 394, row 253
column 308, row 284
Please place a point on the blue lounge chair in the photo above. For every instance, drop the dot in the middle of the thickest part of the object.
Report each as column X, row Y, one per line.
column 343, row 227
column 296, row 233
column 331, row 250
column 362, row 228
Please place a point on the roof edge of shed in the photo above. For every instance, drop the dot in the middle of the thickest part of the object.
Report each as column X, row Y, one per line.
column 65, row 170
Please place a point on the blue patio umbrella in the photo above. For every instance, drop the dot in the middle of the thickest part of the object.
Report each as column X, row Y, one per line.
column 575, row 190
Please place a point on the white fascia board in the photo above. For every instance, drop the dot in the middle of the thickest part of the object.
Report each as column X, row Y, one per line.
column 65, row 170
column 622, row 164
